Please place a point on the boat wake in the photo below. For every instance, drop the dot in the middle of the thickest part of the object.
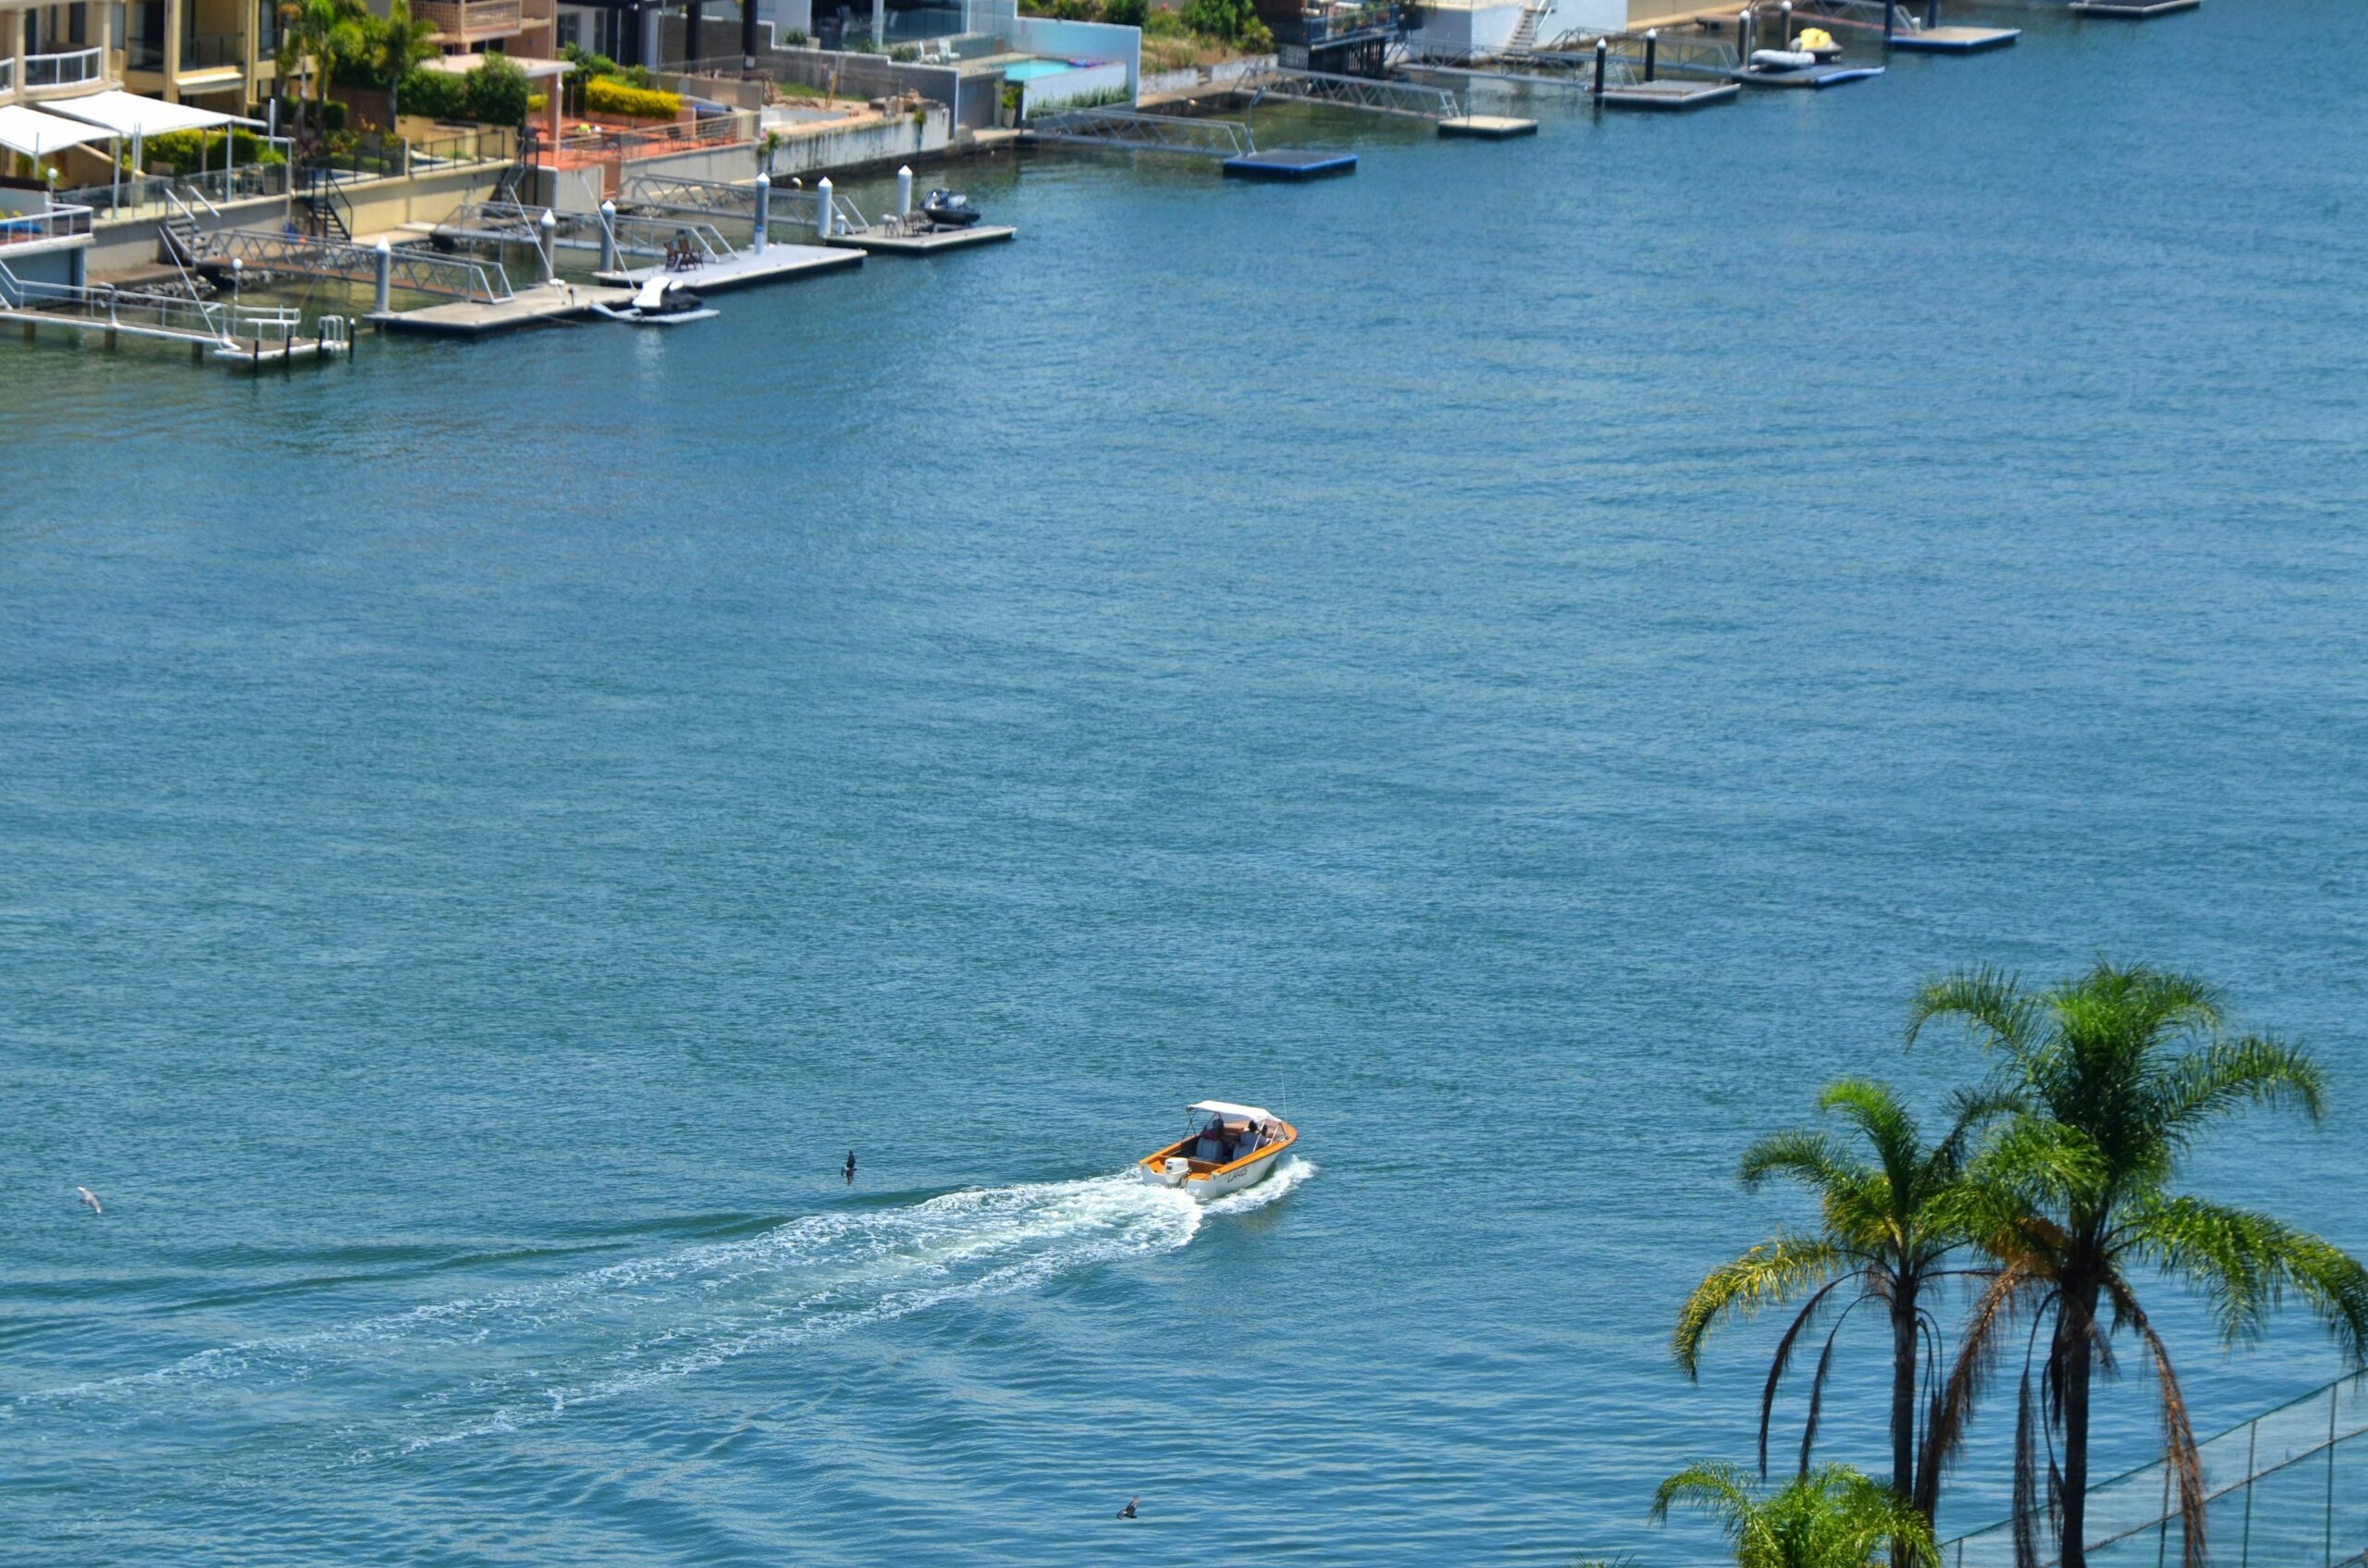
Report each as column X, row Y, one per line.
column 493, row 1362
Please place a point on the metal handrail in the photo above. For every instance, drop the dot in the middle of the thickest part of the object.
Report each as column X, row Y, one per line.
column 1370, row 94
column 56, row 222
column 423, row 272
column 1131, row 130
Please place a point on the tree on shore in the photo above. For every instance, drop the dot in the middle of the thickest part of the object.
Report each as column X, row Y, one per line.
column 1829, row 1517
column 1888, row 1226
column 2115, row 1075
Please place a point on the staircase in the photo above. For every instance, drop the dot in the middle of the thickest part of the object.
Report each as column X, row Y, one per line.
column 326, row 211
column 178, row 234
column 1524, row 38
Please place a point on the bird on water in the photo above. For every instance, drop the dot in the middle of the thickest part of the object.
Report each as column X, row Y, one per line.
column 1128, row 1511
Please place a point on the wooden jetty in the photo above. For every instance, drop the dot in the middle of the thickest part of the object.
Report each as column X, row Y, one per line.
column 1289, row 164
column 740, row 269
column 1810, row 77
column 1488, row 127
column 534, row 306
column 1952, row 40
column 1666, row 94
column 889, row 238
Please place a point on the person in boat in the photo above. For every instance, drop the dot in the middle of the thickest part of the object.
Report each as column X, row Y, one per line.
column 850, row 1168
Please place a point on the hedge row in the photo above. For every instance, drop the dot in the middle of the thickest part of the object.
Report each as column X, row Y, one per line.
column 606, row 94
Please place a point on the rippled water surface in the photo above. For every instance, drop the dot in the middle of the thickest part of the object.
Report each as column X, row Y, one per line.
column 1520, row 657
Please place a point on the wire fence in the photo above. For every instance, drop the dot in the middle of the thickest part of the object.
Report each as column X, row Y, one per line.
column 2286, row 1489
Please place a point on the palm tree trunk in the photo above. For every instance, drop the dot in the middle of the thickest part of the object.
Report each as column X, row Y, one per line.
column 2077, row 1323
column 1904, row 1365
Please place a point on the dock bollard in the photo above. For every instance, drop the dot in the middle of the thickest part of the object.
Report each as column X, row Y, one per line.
column 822, row 208
column 1742, row 39
column 238, row 281
column 1784, row 38
column 550, row 226
column 383, row 261
column 764, row 209
column 608, row 237
column 905, row 190
column 1652, row 50
column 1602, row 51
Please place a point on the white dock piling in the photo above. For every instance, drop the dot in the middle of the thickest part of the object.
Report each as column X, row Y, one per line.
column 550, row 226
column 383, row 264
column 608, row 237
column 764, row 209
column 905, row 190
column 822, row 214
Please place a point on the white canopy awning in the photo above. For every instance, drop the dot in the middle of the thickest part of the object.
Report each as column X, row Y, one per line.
column 1228, row 1110
column 126, row 114
column 37, row 135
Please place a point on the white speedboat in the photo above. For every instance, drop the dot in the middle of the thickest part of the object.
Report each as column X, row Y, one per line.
column 661, row 302
column 1228, row 1147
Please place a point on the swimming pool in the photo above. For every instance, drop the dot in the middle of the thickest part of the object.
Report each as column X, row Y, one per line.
column 1029, row 70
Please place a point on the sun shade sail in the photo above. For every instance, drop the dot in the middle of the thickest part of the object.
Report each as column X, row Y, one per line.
column 37, row 135
column 126, row 114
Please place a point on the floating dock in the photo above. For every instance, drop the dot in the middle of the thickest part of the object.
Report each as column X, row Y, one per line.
column 1954, row 40
column 741, row 269
column 2126, row 11
column 888, row 238
column 1667, row 94
column 1289, row 163
column 1488, row 127
column 1811, row 77
column 478, row 318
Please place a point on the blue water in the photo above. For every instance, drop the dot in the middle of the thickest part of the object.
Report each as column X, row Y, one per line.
column 1520, row 658
column 1029, row 70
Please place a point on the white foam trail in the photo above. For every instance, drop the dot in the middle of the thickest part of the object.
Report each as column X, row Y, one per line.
column 447, row 1370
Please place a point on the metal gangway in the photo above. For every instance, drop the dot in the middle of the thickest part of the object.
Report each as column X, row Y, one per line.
column 1377, row 95
column 229, row 330
column 796, row 205
column 1631, row 59
column 350, row 260
column 1131, row 130
column 611, row 234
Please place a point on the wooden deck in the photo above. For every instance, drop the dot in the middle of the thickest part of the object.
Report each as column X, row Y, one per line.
column 1955, row 40
column 775, row 264
column 1668, row 93
column 533, row 306
column 887, row 239
column 1488, row 127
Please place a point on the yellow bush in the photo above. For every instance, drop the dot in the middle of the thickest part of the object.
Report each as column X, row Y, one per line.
column 606, row 94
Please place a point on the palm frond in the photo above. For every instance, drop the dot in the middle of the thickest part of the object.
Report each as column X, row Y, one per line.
column 1993, row 1312
column 2245, row 1262
column 2229, row 1074
column 1811, row 1158
column 1775, row 1271
column 1986, row 1001
column 1783, row 1360
column 2178, row 1433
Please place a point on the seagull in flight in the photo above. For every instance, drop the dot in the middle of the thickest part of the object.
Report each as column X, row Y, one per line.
column 89, row 1199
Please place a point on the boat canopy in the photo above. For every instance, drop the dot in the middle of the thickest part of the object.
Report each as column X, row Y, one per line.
column 1230, row 1111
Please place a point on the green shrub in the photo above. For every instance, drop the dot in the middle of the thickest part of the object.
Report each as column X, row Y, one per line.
column 436, row 94
column 794, row 39
column 904, row 51
column 498, row 93
column 190, row 152
column 1161, row 21
column 1125, row 13
column 606, row 95
column 333, row 113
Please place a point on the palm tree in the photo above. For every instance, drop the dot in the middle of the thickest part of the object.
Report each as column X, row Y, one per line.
column 1888, row 1227
column 399, row 44
column 1830, row 1517
column 2117, row 1073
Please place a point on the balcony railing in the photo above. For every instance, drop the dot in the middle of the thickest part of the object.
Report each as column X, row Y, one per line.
column 59, row 222
column 470, row 19
column 9, row 74
column 209, row 51
column 68, row 70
